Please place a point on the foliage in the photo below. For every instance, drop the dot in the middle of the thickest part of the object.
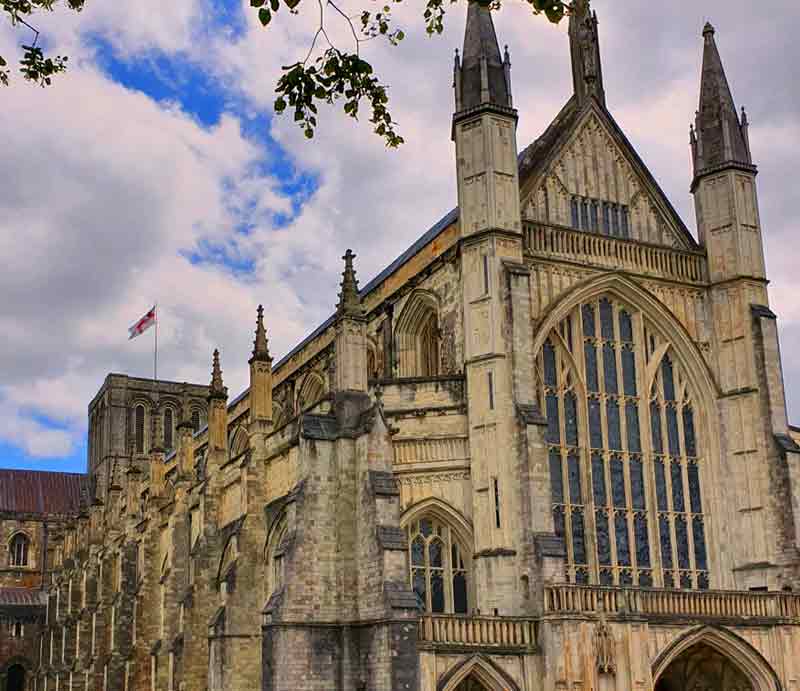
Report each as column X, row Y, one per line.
column 328, row 74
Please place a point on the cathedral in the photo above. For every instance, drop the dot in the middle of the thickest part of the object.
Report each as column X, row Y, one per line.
column 546, row 449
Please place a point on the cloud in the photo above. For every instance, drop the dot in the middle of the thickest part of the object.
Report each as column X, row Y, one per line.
column 152, row 172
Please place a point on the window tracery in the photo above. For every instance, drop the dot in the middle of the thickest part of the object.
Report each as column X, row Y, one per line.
column 274, row 558
column 18, row 550
column 439, row 569
column 418, row 337
column 624, row 453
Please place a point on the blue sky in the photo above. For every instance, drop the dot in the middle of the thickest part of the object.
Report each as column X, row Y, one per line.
column 154, row 171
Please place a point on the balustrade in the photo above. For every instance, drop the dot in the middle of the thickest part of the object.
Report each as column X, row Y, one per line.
column 478, row 632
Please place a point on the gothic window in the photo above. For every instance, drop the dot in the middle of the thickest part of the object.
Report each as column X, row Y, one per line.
column 417, row 337
column 240, row 443
column 438, row 567
column 139, row 428
column 169, row 429
column 624, row 453
column 275, row 558
column 574, row 210
column 600, row 217
column 18, row 550
column 311, row 391
column 196, row 421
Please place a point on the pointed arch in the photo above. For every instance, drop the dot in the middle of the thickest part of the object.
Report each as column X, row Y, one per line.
column 445, row 512
column 480, row 668
column 417, row 336
column 310, row 391
column 19, row 549
column 741, row 653
column 239, row 442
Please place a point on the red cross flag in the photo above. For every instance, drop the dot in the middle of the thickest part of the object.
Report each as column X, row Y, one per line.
column 142, row 324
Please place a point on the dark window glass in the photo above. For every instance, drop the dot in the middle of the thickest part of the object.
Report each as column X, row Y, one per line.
column 626, row 578
column 593, row 216
column 460, row 593
column 694, row 489
column 645, row 579
column 669, row 382
column 612, row 415
column 610, row 367
column 632, row 422
column 436, row 554
column 642, row 539
column 549, row 364
column 556, row 480
column 682, row 538
column 676, row 476
column 426, row 527
column 420, row 588
column 606, row 577
column 574, row 209
column 625, row 327
column 699, row 535
column 571, row 421
column 574, row 470
column 437, row 592
column 582, row 577
column 661, row 485
column 418, row 551
column 666, row 541
column 607, row 219
column 591, row 366
column 672, row 431
column 588, row 320
column 140, row 429
column 598, row 480
column 603, row 540
column 169, row 429
column 553, row 432
column 637, row 483
column 686, row 581
column 615, row 220
column 578, row 542
column 626, row 233
column 655, row 427
column 595, row 431
column 702, row 581
column 606, row 320
column 688, row 431
column 618, row 482
column 558, row 521
column 584, row 215
column 623, row 548
column 629, row 372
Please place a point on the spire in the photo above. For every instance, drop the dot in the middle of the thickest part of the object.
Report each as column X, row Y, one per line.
column 481, row 77
column 584, row 45
column 349, row 300
column 721, row 138
column 217, row 389
column 260, row 345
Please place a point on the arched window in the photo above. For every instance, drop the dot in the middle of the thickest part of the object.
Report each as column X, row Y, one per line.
column 417, row 337
column 275, row 558
column 438, row 567
column 139, row 428
column 169, row 429
column 312, row 389
column 622, row 437
column 239, row 443
column 196, row 420
column 18, row 550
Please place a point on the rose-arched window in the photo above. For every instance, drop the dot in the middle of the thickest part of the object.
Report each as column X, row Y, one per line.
column 438, row 567
column 624, row 451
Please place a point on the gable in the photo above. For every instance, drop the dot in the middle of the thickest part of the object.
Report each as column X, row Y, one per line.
column 593, row 160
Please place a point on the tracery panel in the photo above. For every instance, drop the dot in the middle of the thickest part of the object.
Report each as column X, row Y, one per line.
column 627, row 503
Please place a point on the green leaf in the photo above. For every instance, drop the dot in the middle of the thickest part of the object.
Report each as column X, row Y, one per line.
column 257, row 3
column 280, row 105
column 275, row 4
column 264, row 16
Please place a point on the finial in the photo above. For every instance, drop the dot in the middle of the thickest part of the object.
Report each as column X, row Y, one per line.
column 708, row 30
column 506, row 56
column 692, row 135
column 217, row 388
column 260, row 345
column 745, row 121
column 349, row 301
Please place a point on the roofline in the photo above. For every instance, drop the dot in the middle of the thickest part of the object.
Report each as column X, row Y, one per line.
column 48, row 472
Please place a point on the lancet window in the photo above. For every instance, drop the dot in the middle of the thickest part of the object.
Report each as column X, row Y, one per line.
column 438, row 567
column 139, row 428
column 625, row 456
column 169, row 429
column 18, row 550
column 597, row 216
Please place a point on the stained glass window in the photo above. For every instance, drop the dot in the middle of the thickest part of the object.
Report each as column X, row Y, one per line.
column 438, row 568
column 637, row 453
column 574, row 209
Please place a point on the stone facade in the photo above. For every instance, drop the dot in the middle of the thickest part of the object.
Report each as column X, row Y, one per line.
column 546, row 448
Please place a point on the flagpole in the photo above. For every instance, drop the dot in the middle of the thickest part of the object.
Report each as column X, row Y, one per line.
column 155, row 350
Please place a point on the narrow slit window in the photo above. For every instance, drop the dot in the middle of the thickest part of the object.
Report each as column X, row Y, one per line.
column 485, row 274
column 496, row 502
column 491, row 390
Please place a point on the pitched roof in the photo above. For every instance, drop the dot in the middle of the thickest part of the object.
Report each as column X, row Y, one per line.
column 38, row 492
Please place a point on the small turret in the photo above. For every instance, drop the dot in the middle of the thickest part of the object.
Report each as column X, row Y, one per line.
column 349, row 300
column 260, row 375
column 350, row 371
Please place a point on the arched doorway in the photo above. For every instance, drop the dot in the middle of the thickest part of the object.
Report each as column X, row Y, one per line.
column 16, row 678
column 703, row 668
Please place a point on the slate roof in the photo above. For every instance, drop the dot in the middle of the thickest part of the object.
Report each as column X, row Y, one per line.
column 22, row 597
column 38, row 492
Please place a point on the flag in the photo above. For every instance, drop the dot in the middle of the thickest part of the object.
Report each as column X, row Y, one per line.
column 142, row 324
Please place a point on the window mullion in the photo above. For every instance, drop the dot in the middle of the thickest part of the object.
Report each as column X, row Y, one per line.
column 687, row 497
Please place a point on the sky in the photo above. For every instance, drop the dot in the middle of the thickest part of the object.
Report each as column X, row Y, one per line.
column 155, row 172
